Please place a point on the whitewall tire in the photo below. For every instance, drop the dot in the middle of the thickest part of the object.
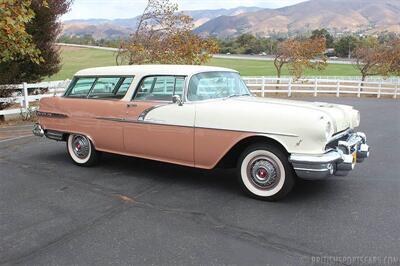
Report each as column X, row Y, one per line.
column 265, row 173
column 81, row 150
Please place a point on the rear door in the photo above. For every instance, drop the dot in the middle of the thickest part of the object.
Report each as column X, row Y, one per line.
column 155, row 127
column 94, row 109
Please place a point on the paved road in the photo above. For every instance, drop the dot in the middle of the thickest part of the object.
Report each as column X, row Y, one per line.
column 11, row 132
column 133, row 211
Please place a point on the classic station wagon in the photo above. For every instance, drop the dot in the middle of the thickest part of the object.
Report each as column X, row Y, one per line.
column 202, row 117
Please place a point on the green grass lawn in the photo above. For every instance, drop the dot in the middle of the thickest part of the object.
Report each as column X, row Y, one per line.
column 74, row 59
column 267, row 68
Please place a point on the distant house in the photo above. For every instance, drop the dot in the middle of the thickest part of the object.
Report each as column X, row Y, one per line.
column 330, row 52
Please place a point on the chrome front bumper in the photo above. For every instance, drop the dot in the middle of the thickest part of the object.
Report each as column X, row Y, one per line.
column 352, row 148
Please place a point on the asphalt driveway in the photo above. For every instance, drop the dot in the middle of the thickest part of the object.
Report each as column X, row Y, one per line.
column 134, row 211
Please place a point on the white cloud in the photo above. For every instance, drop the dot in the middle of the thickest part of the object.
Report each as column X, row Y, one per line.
column 84, row 9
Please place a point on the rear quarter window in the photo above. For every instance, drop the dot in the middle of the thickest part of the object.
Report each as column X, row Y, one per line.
column 99, row 87
column 81, row 87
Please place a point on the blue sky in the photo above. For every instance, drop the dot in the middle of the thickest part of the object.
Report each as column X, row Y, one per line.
column 84, row 9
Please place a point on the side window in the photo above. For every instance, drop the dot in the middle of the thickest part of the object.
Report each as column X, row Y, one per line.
column 81, row 87
column 164, row 86
column 104, row 87
column 160, row 88
column 179, row 86
column 124, row 87
column 99, row 87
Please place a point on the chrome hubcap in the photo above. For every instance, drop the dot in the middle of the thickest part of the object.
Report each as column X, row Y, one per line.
column 263, row 172
column 80, row 146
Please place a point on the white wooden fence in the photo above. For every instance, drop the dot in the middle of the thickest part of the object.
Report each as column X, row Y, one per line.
column 261, row 86
column 22, row 97
column 338, row 87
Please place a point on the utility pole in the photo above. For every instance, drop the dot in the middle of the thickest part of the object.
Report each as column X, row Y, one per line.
column 349, row 49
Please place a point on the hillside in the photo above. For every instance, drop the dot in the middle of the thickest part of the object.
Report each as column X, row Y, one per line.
column 337, row 15
column 106, row 28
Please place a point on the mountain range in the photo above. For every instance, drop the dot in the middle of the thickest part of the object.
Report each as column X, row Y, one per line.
column 339, row 16
column 115, row 28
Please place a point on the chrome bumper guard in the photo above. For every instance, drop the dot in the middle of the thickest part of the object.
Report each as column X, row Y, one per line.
column 38, row 130
column 337, row 161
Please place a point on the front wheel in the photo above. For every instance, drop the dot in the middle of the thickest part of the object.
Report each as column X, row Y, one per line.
column 81, row 150
column 265, row 172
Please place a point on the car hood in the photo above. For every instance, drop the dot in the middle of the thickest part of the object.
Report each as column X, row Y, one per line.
column 341, row 115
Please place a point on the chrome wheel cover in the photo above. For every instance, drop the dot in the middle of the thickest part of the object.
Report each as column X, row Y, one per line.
column 81, row 146
column 263, row 172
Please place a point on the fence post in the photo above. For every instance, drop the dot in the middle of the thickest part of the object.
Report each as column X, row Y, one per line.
column 290, row 88
column 379, row 90
column 359, row 89
column 263, row 87
column 25, row 104
column 315, row 87
column 337, row 88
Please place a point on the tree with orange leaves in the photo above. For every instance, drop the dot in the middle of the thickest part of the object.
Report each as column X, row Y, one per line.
column 300, row 55
column 164, row 36
column 374, row 58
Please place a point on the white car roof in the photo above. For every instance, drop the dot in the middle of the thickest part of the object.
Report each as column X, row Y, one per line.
column 143, row 70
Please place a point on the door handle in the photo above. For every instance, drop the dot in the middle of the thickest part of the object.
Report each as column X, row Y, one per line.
column 129, row 105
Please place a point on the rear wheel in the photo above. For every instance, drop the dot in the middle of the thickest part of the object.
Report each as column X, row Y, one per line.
column 265, row 173
column 81, row 150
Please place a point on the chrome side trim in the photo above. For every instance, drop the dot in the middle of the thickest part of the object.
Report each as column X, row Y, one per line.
column 142, row 116
column 51, row 115
column 123, row 120
column 114, row 119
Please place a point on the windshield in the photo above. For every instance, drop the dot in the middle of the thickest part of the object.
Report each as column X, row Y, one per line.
column 214, row 85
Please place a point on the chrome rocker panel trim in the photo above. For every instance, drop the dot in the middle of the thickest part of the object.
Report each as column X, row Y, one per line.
column 338, row 161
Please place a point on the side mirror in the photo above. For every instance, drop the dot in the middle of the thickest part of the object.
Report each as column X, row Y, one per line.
column 177, row 99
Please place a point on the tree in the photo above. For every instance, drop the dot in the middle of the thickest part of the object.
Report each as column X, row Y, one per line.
column 394, row 57
column 300, row 55
column 15, row 41
column 323, row 33
column 374, row 58
column 389, row 58
column 345, row 46
column 164, row 36
column 43, row 29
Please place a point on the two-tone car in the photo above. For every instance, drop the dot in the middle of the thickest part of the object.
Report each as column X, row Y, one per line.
column 203, row 117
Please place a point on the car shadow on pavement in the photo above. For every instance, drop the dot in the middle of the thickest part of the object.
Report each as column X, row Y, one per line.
column 133, row 169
